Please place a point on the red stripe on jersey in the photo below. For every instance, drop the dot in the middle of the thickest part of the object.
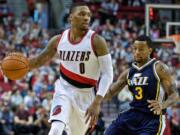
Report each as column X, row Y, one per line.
column 77, row 77
column 59, row 39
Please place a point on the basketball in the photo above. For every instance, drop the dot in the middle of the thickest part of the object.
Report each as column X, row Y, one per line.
column 15, row 66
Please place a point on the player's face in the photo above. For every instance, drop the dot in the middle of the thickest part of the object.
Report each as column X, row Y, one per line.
column 80, row 18
column 141, row 51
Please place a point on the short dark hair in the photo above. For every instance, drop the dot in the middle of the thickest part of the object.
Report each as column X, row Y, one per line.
column 74, row 5
column 145, row 39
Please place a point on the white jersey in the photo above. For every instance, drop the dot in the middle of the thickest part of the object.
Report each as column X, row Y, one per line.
column 79, row 63
column 74, row 89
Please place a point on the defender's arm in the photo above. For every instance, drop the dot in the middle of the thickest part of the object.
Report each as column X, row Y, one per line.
column 117, row 86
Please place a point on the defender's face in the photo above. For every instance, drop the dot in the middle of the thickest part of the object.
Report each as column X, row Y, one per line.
column 80, row 18
column 141, row 51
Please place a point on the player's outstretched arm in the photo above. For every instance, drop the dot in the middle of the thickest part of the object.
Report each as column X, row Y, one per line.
column 169, row 87
column 117, row 86
column 46, row 55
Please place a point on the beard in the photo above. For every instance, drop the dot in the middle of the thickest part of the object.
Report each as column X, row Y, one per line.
column 84, row 28
column 138, row 60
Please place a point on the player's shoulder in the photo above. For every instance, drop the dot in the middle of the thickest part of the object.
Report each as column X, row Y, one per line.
column 162, row 69
column 54, row 40
column 57, row 37
column 161, row 65
column 100, row 45
column 98, row 38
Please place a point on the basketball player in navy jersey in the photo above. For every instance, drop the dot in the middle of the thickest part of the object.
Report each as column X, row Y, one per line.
column 84, row 61
column 144, row 79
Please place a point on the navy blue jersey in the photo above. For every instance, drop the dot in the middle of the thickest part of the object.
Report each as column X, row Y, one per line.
column 144, row 84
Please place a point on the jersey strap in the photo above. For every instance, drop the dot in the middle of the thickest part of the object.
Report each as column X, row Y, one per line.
column 75, row 79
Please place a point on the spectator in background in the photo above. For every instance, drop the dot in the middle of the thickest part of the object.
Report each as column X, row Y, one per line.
column 107, row 31
column 31, row 7
column 16, row 98
column 40, row 15
column 136, row 2
column 41, row 121
column 39, row 85
column 105, row 5
column 113, row 7
column 29, row 99
column 23, row 121
column 175, row 122
column 154, row 32
column 6, row 120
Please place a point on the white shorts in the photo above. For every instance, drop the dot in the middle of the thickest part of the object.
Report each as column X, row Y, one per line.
column 69, row 105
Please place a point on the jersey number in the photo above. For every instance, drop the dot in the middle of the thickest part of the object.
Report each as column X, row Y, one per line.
column 82, row 68
column 139, row 94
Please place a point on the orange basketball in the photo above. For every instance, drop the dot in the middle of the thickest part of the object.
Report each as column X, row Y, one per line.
column 15, row 66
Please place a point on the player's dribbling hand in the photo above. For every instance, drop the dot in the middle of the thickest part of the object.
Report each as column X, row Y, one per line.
column 92, row 114
column 155, row 106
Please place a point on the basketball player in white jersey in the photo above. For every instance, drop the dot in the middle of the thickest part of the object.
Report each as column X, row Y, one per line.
column 85, row 60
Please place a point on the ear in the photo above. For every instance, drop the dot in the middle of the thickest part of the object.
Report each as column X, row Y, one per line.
column 70, row 18
column 150, row 50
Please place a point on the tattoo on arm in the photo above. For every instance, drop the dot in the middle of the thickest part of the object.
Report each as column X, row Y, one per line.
column 166, row 79
column 119, row 84
column 168, row 84
column 173, row 86
column 45, row 55
column 164, row 69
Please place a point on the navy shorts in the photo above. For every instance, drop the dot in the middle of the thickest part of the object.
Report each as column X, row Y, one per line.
column 133, row 122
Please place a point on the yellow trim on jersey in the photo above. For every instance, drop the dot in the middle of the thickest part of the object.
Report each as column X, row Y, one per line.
column 158, row 80
column 157, row 97
column 160, row 125
column 158, row 90
column 154, row 70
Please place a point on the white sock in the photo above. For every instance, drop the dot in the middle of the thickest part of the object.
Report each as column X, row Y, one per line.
column 57, row 128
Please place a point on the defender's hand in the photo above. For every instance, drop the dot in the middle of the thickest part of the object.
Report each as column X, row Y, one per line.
column 155, row 106
column 92, row 114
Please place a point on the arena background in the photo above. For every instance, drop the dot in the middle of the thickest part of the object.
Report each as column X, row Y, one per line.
column 27, row 25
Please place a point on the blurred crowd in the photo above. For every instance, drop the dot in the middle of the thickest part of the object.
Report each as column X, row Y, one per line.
column 25, row 104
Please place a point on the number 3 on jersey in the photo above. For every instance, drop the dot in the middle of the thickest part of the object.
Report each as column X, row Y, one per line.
column 139, row 94
column 82, row 68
